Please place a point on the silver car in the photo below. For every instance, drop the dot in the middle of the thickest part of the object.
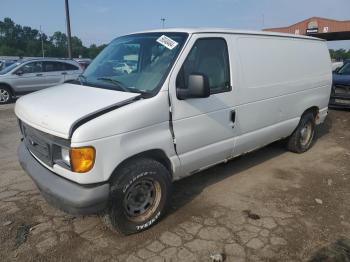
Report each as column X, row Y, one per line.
column 35, row 74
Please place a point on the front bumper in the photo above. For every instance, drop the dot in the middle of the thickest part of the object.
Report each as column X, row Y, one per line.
column 62, row 193
column 340, row 96
column 339, row 101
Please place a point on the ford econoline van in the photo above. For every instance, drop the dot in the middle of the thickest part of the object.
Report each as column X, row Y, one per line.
column 158, row 106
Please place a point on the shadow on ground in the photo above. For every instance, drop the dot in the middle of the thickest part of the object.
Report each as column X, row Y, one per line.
column 188, row 188
column 335, row 252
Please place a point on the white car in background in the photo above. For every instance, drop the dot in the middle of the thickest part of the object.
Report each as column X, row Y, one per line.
column 123, row 68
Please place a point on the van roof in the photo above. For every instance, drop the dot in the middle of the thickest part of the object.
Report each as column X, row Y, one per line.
column 229, row 31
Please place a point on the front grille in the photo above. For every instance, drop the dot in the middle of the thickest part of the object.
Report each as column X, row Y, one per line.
column 36, row 144
column 342, row 90
column 44, row 146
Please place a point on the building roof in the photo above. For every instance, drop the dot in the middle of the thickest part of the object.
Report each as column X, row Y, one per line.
column 308, row 19
column 328, row 29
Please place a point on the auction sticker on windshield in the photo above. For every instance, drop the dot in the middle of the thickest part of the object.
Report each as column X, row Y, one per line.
column 167, row 42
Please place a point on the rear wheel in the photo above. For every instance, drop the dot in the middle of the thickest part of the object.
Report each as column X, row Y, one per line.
column 140, row 195
column 302, row 137
column 5, row 95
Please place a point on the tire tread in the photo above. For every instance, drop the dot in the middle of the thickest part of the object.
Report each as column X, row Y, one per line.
column 293, row 142
column 126, row 170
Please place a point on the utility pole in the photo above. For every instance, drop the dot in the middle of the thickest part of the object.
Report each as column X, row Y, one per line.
column 68, row 30
column 163, row 22
column 42, row 42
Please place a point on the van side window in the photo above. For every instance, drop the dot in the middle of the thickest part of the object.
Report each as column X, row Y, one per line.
column 209, row 56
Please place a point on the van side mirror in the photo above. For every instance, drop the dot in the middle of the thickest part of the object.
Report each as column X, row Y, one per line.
column 198, row 87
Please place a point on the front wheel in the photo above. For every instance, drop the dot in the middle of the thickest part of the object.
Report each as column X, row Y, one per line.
column 5, row 95
column 302, row 137
column 140, row 195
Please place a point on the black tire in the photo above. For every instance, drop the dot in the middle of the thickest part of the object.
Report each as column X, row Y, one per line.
column 5, row 95
column 140, row 182
column 300, row 141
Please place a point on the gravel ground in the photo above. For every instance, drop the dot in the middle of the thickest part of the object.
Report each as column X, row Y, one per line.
column 269, row 205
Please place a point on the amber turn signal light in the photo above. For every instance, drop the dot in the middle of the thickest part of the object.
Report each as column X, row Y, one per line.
column 82, row 159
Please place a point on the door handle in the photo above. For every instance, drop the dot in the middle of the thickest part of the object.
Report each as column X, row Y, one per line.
column 64, row 73
column 39, row 74
column 233, row 118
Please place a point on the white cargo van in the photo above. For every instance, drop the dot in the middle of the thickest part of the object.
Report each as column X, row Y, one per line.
column 114, row 142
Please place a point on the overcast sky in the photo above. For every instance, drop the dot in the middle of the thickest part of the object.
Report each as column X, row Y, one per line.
column 99, row 21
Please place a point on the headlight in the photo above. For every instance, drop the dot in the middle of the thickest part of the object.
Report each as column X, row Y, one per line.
column 65, row 156
column 82, row 159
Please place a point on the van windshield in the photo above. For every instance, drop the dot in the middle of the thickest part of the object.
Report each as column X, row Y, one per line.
column 136, row 63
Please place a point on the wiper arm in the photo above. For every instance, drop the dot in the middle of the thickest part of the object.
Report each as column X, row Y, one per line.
column 115, row 82
column 122, row 86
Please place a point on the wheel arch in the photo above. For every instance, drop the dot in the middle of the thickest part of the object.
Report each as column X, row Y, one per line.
column 155, row 154
column 314, row 110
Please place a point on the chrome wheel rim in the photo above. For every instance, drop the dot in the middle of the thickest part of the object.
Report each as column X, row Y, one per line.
column 4, row 95
column 142, row 199
column 306, row 134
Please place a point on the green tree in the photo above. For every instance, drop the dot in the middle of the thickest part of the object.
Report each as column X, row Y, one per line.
column 339, row 54
column 94, row 50
column 17, row 40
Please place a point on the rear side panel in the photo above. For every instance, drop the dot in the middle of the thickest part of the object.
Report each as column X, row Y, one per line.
column 278, row 79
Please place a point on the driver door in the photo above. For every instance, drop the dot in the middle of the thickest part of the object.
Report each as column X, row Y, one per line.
column 204, row 128
column 30, row 79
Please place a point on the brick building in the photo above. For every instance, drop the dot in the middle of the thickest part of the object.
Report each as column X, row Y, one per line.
column 328, row 29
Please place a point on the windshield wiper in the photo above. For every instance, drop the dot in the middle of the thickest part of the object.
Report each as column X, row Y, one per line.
column 115, row 82
column 122, row 86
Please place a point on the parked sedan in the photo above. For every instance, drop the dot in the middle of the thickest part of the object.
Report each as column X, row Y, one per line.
column 35, row 74
column 340, row 96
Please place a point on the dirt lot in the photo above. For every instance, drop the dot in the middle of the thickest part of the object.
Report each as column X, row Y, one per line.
column 268, row 205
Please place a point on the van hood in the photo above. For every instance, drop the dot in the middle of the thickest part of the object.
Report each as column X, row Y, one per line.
column 60, row 110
